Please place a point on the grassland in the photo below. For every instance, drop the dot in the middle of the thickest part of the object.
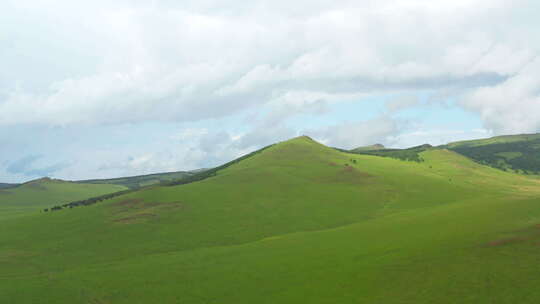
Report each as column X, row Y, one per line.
column 297, row 222
column 32, row 197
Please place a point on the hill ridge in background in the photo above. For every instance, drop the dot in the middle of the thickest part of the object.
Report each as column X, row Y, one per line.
column 517, row 153
column 495, row 139
column 138, row 181
column 467, row 148
column 7, row 185
column 369, row 148
column 31, row 197
column 44, row 180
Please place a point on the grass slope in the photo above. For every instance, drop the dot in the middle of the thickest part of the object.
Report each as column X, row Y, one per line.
column 519, row 153
column 32, row 197
column 297, row 222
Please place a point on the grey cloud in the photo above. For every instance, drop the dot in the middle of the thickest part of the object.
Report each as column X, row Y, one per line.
column 512, row 106
column 22, row 165
column 162, row 61
column 264, row 135
column 26, row 166
column 214, row 141
column 402, row 102
column 350, row 135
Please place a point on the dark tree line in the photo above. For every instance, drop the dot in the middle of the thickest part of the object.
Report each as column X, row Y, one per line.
column 89, row 201
column 410, row 154
column 527, row 161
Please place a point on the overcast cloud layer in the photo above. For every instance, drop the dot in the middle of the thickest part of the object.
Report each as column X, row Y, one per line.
column 167, row 85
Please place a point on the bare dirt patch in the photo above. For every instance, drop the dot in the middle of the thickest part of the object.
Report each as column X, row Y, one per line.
column 12, row 254
column 507, row 241
column 134, row 218
column 531, row 233
column 128, row 202
column 347, row 175
column 136, row 210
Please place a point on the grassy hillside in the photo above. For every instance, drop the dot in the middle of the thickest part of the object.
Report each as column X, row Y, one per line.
column 409, row 154
column 519, row 153
column 134, row 182
column 33, row 196
column 503, row 139
column 297, row 222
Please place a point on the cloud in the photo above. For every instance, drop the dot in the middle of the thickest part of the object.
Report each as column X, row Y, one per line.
column 349, row 135
column 435, row 137
column 27, row 166
column 401, row 103
column 512, row 106
column 165, row 62
column 23, row 164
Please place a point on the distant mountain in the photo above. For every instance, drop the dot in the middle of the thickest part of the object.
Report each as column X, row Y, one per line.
column 409, row 154
column 139, row 181
column 518, row 153
column 368, row 148
column 32, row 196
column 5, row 186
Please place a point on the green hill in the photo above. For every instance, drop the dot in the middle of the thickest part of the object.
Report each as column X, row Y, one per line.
column 409, row 154
column 296, row 222
column 33, row 196
column 519, row 153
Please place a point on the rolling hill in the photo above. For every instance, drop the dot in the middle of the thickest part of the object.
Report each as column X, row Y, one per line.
column 35, row 195
column 296, row 222
column 518, row 153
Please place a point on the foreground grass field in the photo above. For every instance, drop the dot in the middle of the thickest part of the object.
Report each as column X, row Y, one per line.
column 298, row 222
column 32, row 197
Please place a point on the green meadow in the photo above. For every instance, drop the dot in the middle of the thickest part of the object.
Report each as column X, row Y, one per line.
column 297, row 222
column 34, row 196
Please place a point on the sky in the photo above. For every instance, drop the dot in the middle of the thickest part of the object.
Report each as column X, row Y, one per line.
column 100, row 89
